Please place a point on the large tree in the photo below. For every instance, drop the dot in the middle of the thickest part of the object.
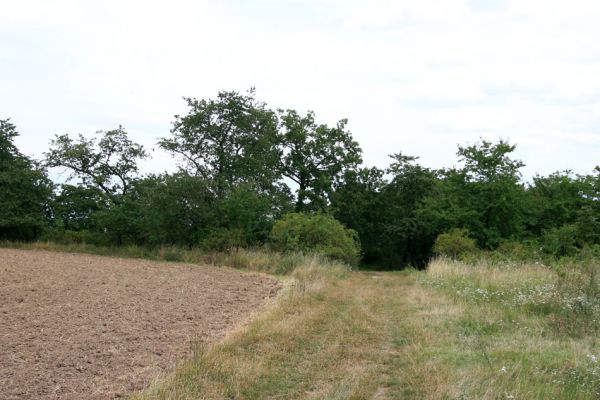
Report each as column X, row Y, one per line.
column 26, row 190
column 108, row 162
column 315, row 157
column 107, row 168
column 228, row 140
column 485, row 195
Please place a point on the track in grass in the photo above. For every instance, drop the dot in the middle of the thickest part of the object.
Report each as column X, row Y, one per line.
column 82, row 326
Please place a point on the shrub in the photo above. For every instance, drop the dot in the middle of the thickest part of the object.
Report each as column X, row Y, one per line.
column 454, row 244
column 560, row 242
column 316, row 233
column 224, row 240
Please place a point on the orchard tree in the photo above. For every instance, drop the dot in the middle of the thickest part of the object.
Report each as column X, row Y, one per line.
column 26, row 190
column 315, row 157
column 227, row 140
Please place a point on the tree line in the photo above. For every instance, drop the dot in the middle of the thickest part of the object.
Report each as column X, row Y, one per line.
column 244, row 169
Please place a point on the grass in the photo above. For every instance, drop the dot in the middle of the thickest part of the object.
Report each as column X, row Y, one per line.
column 480, row 330
column 322, row 340
column 257, row 260
column 513, row 330
column 453, row 332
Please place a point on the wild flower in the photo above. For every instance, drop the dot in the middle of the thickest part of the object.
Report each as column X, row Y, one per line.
column 592, row 358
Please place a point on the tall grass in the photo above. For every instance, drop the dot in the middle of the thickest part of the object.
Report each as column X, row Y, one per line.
column 517, row 330
column 258, row 260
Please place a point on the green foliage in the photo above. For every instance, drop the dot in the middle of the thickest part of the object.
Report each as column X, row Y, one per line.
column 560, row 242
column 385, row 213
column 174, row 209
column 315, row 233
column 315, row 157
column 75, row 207
column 489, row 162
column 252, row 212
column 228, row 140
column 454, row 244
column 108, row 163
column 244, row 166
column 25, row 190
column 555, row 200
column 357, row 203
column 485, row 196
column 224, row 240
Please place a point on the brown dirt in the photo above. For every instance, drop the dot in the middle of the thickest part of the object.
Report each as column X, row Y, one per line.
column 76, row 326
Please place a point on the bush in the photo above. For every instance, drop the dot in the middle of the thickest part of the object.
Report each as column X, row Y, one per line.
column 454, row 244
column 318, row 233
column 224, row 240
column 560, row 242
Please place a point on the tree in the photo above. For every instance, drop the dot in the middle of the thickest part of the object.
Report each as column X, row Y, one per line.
column 227, row 140
column 173, row 209
column 385, row 212
column 555, row 200
column 26, row 190
column 588, row 220
column 406, row 239
column 454, row 244
column 315, row 157
column 75, row 207
column 109, row 164
column 489, row 162
column 485, row 196
column 357, row 203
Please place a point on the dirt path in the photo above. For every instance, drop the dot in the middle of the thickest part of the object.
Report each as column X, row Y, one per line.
column 78, row 326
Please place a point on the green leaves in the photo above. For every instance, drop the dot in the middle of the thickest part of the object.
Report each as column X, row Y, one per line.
column 316, row 233
column 227, row 140
column 315, row 157
column 487, row 161
column 25, row 190
column 108, row 162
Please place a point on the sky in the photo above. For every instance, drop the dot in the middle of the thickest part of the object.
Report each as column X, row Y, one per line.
column 417, row 77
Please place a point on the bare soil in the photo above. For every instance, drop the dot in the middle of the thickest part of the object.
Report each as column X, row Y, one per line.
column 76, row 326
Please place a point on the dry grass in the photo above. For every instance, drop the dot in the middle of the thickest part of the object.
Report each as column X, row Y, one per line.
column 352, row 335
column 315, row 342
column 257, row 260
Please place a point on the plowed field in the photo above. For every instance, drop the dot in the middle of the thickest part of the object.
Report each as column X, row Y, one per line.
column 76, row 326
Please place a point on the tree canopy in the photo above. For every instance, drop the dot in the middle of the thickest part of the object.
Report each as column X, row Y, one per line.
column 252, row 176
column 25, row 191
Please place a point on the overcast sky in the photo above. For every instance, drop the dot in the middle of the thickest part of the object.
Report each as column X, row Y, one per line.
column 411, row 76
